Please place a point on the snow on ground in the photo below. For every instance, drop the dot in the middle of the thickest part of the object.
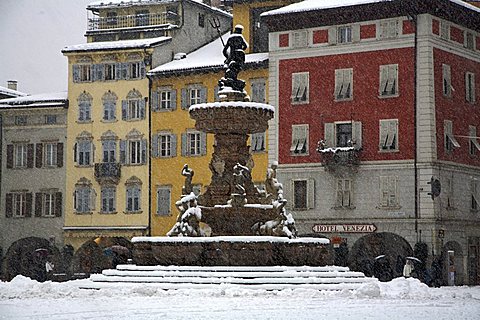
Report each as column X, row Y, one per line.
column 23, row 298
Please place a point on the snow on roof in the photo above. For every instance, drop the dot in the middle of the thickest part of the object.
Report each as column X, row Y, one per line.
column 311, row 5
column 112, row 45
column 207, row 56
column 10, row 92
column 36, row 100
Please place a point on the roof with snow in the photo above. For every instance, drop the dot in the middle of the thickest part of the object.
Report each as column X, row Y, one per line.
column 44, row 100
column 117, row 45
column 103, row 4
column 208, row 57
column 312, row 13
column 10, row 92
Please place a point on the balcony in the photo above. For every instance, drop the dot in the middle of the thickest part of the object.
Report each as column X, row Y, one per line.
column 129, row 21
column 340, row 161
column 107, row 172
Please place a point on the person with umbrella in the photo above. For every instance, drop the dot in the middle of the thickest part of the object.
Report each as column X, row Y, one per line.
column 408, row 269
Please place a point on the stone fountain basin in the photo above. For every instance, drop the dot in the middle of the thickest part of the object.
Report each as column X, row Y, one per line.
column 231, row 251
column 232, row 117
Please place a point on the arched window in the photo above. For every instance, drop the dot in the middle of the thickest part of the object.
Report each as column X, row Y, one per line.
column 133, row 108
column 84, row 107
column 109, row 100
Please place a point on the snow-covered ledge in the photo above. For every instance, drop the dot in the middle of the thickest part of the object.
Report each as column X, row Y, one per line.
column 232, row 239
column 236, row 104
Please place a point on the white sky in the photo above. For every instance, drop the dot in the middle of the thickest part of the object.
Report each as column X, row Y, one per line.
column 32, row 34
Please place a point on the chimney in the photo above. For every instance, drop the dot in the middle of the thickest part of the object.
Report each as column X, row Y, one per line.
column 12, row 84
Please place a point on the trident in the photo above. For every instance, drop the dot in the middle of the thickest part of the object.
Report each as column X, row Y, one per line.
column 215, row 23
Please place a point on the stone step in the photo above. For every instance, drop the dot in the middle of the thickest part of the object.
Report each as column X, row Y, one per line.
column 194, row 277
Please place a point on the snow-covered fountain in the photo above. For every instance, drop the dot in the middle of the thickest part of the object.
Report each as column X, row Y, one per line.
column 232, row 235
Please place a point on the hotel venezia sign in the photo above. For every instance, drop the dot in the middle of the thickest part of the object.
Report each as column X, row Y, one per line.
column 344, row 228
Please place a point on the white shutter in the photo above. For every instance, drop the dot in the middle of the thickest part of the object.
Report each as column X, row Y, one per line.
column 357, row 134
column 332, row 35
column 310, row 193
column 383, row 80
column 356, row 33
column 338, row 83
column 329, row 135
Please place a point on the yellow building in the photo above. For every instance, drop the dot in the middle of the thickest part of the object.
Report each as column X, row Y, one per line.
column 108, row 147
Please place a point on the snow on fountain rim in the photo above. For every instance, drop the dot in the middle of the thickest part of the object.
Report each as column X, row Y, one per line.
column 236, row 104
column 229, row 239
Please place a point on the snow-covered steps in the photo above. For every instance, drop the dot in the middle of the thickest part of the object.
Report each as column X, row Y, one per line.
column 265, row 278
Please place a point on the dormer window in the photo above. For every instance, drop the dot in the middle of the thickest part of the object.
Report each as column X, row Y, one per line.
column 344, row 34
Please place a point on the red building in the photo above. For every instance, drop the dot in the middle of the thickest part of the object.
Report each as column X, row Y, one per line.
column 378, row 108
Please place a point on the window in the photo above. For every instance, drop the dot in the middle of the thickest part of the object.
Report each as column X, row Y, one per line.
column 343, row 134
column 20, row 120
column 111, row 18
column 110, row 70
column 193, row 94
column 343, row 197
column 388, row 135
column 450, row 141
column 142, row 18
column 109, row 100
column 83, row 152
column 388, row 80
column 164, row 145
column 474, row 145
column 19, row 204
column 84, row 107
column 21, row 152
column 470, row 87
column 50, row 152
column 344, row 34
column 164, row 99
column 343, row 84
column 133, row 151
column 194, row 143
column 300, row 87
column 134, row 107
column 134, row 70
column 474, row 188
column 109, row 148
column 257, row 142
column 133, row 198
column 303, row 194
column 50, row 119
column 300, row 39
column 164, row 194
column 469, row 40
column 446, row 80
column 388, row 191
column 388, row 29
column 48, row 204
column 299, row 140
column 84, row 196
column 108, row 199
column 85, row 72
column 258, row 91
column 201, row 20
column 444, row 30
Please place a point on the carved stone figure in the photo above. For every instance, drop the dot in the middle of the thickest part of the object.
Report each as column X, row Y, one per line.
column 188, row 219
column 282, row 226
column 234, row 52
column 188, row 174
column 273, row 188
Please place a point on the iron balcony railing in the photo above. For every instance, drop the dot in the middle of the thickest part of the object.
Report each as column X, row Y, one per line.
column 137, row 20
column 107, row 172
